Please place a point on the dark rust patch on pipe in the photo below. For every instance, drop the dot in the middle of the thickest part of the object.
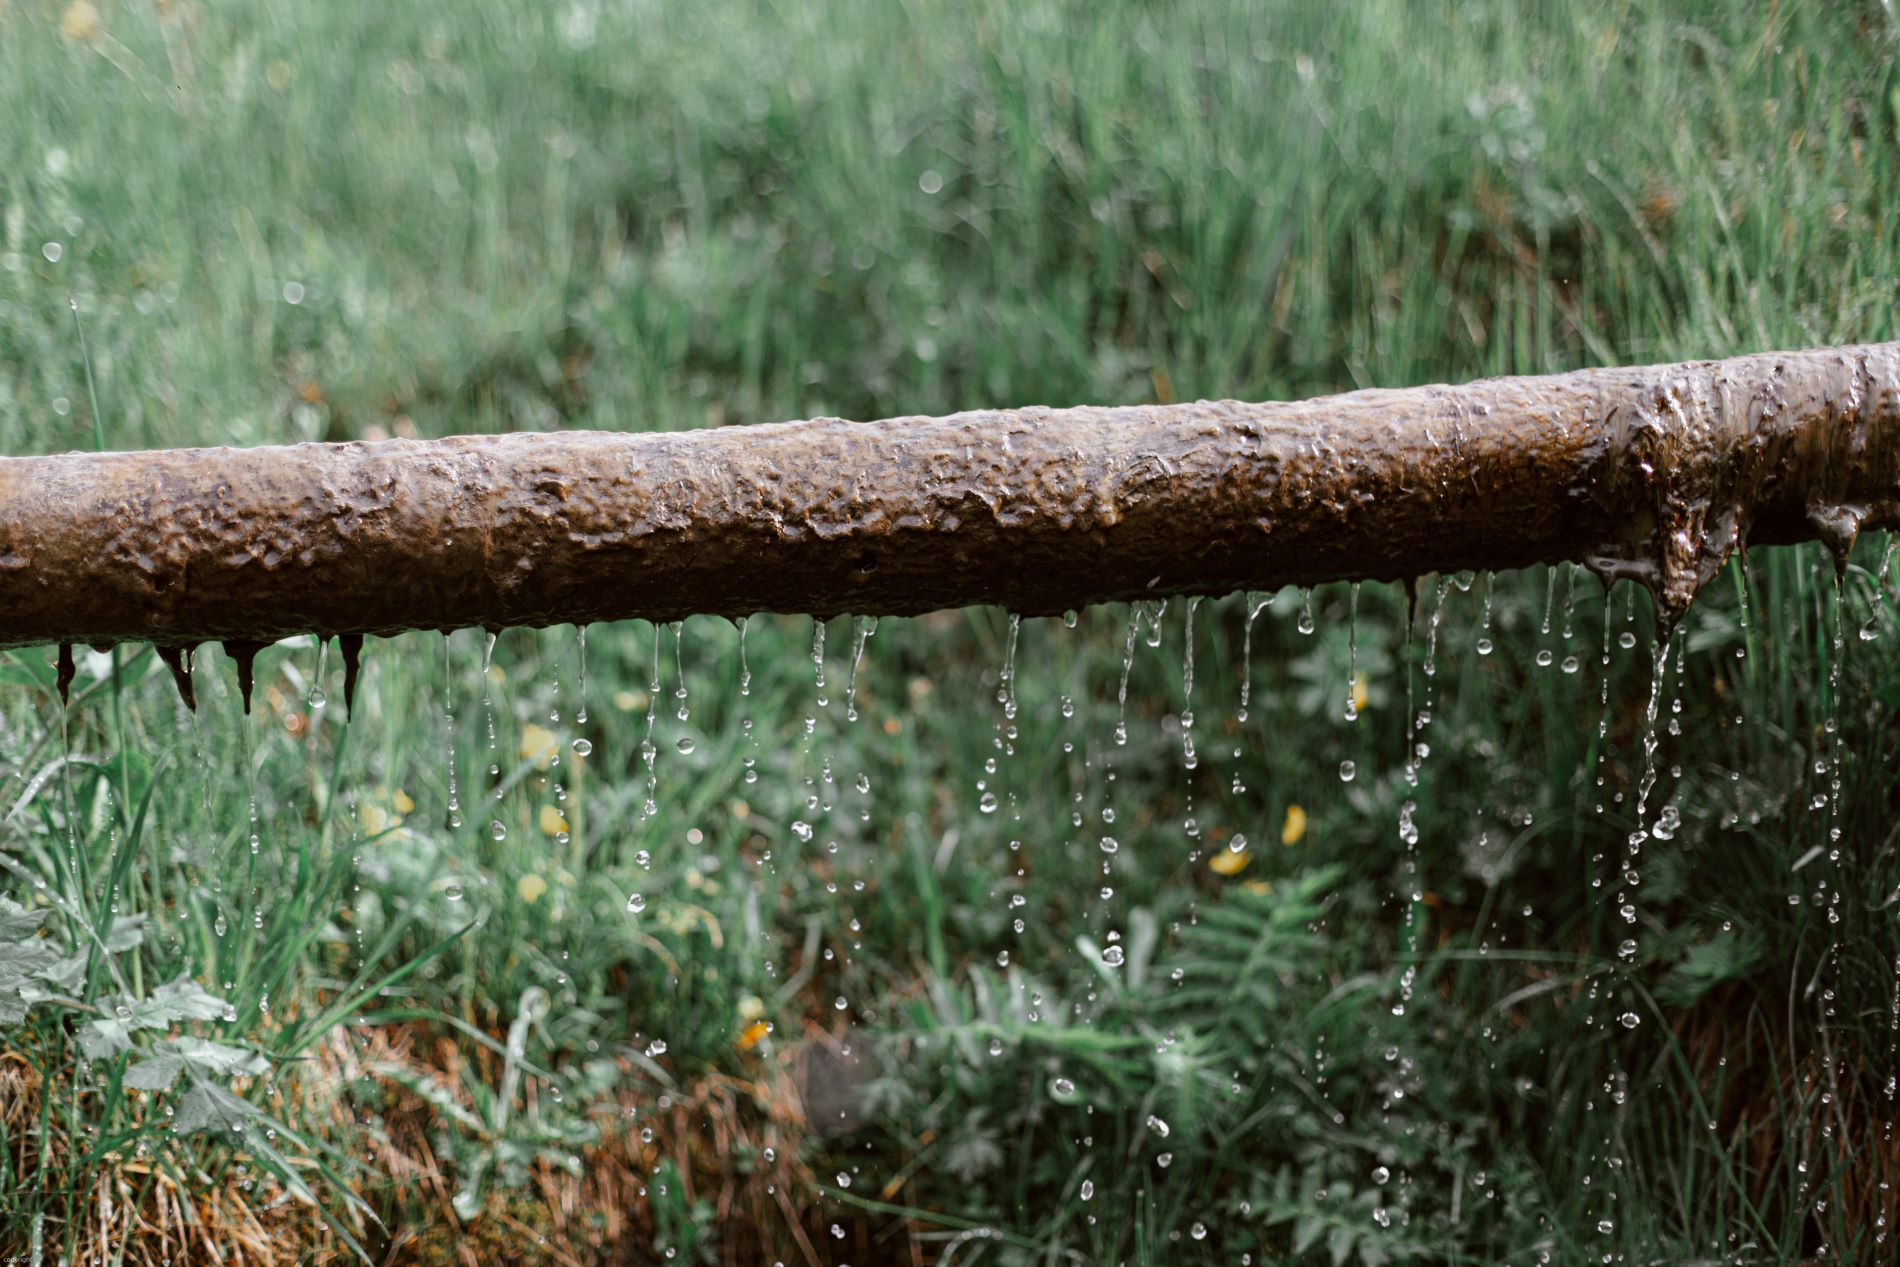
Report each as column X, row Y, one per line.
column 1653, row 473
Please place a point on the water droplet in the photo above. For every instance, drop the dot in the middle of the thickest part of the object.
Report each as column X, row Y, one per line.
column 1113, row 956
column 636, row 903
column 685, row 744
column 1346, row 771
column 498, row 829
column 1063, row 1087
column 452, row 891
column 583, row 747
column 52, row 251
column 987, row 803
column 1198, row 1231
column 1630, row 1020
column 1088, row 1189
column 1380, row 1174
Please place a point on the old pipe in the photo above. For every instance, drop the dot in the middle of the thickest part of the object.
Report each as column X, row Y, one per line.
column 1653, row 473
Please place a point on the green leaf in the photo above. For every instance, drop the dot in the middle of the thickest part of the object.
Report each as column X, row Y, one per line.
column 20, row 961
column 219, row 1058
column 185, row 999
column 128, row 931
column 105, row 1038
column 1707, row 965
column 156, row 1073
column 973, row 1154
column 65, row 974
column 16, row 922
column 208, row 1106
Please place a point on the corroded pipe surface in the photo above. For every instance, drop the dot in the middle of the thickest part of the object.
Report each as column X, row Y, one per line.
column 1654, row 473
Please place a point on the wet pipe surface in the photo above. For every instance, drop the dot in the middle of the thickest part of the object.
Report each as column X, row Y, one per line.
column 1656, row 474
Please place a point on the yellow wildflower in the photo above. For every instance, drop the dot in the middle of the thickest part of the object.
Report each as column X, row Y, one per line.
column 539, row 745
column 80, row 22
column 1230, row 861
column 1359, row 693
column 402, row 802
column 553, row 822
column 751, row 1007
column 373, row 817
column 752, row 1035
column 530, row 887
column 1258, row 886
column 1295, row 826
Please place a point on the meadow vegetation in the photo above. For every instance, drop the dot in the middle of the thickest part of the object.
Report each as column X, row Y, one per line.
column 882, row 944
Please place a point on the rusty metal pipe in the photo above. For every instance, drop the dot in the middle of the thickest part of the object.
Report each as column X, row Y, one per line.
column 1654, row 473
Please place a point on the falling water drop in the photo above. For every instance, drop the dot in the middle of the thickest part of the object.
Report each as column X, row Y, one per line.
column 580, row 646
column 679, row 669
column 1128, row 664
column 1255, row 604
column 1352, row 656
column 818, row 659
column 863, row 628
column 316, row 697
column 1484, row 625
column 1188, row 757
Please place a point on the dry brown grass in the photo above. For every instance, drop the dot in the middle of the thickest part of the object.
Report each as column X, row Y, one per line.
column 130, row 1207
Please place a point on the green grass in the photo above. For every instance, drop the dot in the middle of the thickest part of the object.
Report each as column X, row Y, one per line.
column 283, row 222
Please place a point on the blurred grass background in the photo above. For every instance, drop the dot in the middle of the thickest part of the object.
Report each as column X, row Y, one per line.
column 842, row 1011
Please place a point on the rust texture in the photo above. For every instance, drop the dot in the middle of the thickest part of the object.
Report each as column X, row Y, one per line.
column 1652, row 473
